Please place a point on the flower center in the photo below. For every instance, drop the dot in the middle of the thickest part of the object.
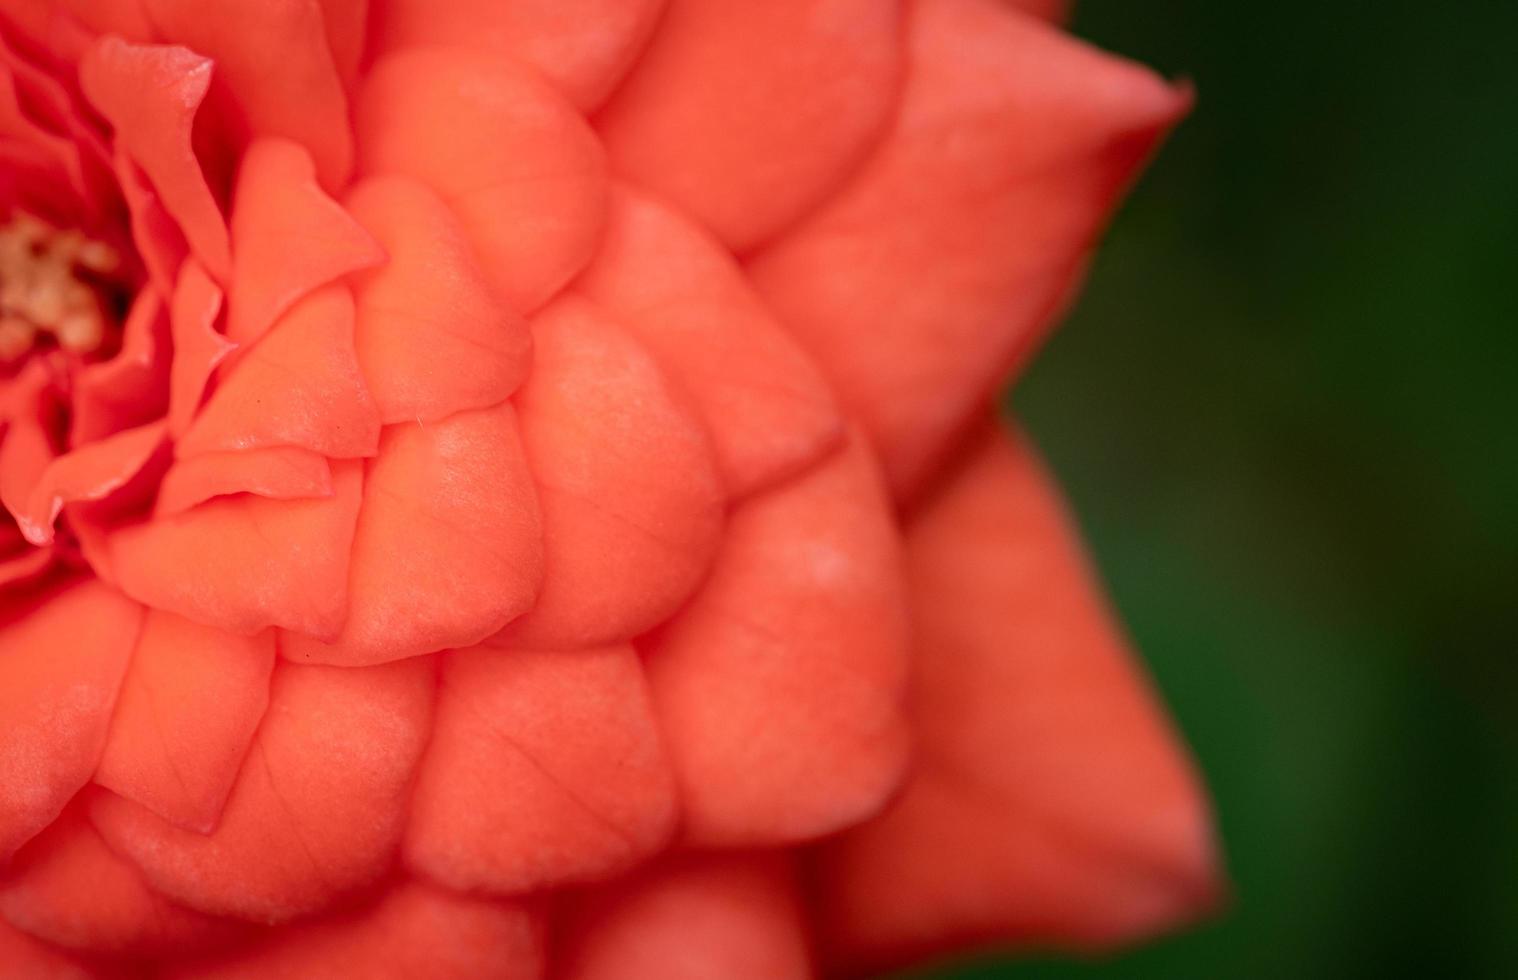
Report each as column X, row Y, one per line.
column 52, row 284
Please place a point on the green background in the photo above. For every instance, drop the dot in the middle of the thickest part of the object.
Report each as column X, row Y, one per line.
column 1284, row 412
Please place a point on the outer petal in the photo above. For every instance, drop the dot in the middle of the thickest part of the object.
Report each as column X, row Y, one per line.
column 779, row 686
column 303, row 99
column 1051, row 803
column 317, row 809
column 91, row 472
column 738, row 917
column 30, row 959
column 769, row 411
column 246, row 563
column 748, row 114
column 150, row 93
column 68, row 888
column 582, row 46
column 186, row 715
column 413, row 931
column 61, row 662
column 449, row 546
column 279, row 472
column 520, row 167
column 544, row 768
column 288, row 237
column 300, row 386
column 1011, row 145
column 431, row 336
column 632, row 505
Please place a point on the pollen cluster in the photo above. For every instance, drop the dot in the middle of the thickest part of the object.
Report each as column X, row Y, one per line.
column 46, row 287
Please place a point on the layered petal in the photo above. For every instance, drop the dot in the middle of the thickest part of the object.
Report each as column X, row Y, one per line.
column 582, row 46
column 1051, row 802
column 958, row 242
column 517, row 163
column 768, row 409
column 317, row 809
column 36, row 960
column 91, row 472
column 431, row 336
column 449, row 546
column 62, row 656
column 299, row 386
column 746, row 114
column 544, row 769
column 288, row 237
column 245, row 563
column 779, row 686
column 277, row 472
column 188, row 708
column 631, row 501
column 735, row 916
column 413, row 930
column 302, row 100
column 198, row 347
column 130, row 389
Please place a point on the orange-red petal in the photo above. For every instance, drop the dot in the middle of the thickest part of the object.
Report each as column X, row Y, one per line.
column 33, row 959
column 768, row 409
column 1051, row 802
column 413, row 930
column 582, row 46
column 188, row 708
column 277, row 472
column 449, row 546
column 91, row 472
column 62, row 657
column 734, row 916
column 631, row 501
column 198, row 346
column 544, row 769
column 938, row 267
column 517, row 163
column 317, row 809
column 288, row 237
column 778, row 687
column 131, row 388
column 747, row 114
column 245, row 563
column 299, row 386
column 431, row 336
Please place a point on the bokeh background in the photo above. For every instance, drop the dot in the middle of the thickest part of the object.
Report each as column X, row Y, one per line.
column 1286, row 412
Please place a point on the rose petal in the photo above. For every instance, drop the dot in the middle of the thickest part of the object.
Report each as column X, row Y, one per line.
column 317, row 809
column 30, row 408
column 129, row 389
column 347, row 27
column 150, row 93
column 198, row 347
column 156, row 239
column 582, row 46
column 431, row 336
column 302, row 100
column 414, row 930
column 246, row 563
column 91, row 472
column 734, row 916
column 288, row 237
column 746, row 115
column 519, row 166
column 544, row 769
column 34, row 960
column 61, row 661
column 632, row 505
column 1052, row 803
column 778, row 687
column 68, row 888
column 767, row 407
column 187, row 712
column 1011, row 145
column 279, row 473
column 299, row 386
column 449, row 546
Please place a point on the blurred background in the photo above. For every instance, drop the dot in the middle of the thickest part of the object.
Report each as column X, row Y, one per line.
column 1286, row 413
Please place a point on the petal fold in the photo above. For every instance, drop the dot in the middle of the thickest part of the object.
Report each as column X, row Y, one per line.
column 1051, row 803
column 940, row 265
column 544, row 769
column 278, row 473
column 779, row 686
column 317, row 810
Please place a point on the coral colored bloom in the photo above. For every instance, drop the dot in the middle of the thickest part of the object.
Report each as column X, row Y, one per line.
column 509, row 488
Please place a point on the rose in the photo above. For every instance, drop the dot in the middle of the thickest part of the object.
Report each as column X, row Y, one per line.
column 444, row 449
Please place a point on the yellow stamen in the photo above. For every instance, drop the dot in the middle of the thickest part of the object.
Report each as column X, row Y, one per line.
column 42, row 290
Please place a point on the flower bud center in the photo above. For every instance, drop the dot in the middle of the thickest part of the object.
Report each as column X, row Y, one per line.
column 51, row 288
